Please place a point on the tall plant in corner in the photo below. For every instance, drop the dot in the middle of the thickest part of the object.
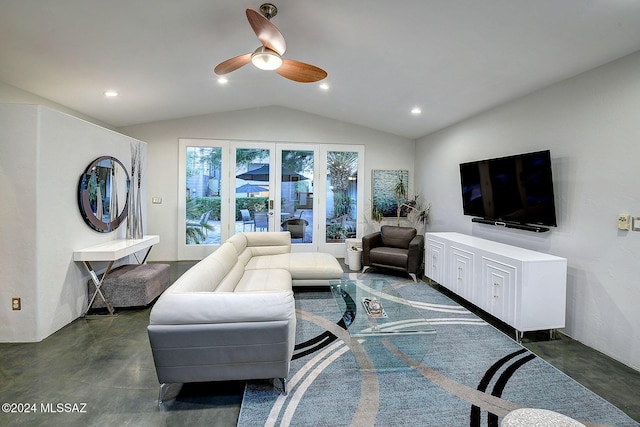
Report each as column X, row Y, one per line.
column 400, row 192
column 418, row 213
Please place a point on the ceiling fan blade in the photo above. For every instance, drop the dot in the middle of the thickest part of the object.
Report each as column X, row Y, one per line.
column 300, row 72
column 267, row 33
column 232, row 64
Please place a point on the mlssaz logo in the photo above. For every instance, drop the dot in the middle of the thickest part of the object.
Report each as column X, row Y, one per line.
column 63, row 408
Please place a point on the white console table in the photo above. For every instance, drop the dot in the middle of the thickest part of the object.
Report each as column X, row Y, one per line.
column 110, row 252
column 523, row 288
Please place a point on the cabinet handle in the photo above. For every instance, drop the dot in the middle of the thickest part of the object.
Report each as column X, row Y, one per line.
column 459, row 273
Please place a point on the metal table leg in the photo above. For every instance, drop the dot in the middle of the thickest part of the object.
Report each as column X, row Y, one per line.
column 145, row 256
column 97, row 281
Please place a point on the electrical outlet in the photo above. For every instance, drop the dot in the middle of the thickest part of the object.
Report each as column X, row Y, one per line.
column 16, row 304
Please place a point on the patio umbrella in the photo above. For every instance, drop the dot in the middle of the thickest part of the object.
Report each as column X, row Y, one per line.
column 250, row 188
column 262, row 174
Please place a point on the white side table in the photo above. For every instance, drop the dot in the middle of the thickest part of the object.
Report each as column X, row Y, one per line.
column 348, row 243
column 110, row 252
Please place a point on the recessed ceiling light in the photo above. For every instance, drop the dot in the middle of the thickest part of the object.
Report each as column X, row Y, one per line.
column 324, row 86
column 223, row 80
column 416, row 110
column 111, row 93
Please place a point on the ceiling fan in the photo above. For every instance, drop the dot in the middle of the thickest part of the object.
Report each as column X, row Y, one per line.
column 269, row 55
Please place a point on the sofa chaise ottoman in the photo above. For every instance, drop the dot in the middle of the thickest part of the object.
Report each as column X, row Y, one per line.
column 133, row 285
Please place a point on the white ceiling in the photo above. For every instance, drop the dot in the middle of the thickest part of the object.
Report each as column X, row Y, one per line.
column 451, row 58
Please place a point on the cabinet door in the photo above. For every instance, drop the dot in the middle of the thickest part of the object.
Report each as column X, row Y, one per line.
column 462, row 270
column 435, row 262
column 499, row 284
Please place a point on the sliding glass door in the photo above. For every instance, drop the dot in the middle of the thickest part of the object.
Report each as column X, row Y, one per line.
column 296, row 179
column 226, row 187
column 343, row 195
column 254, row 187
column 202, row 188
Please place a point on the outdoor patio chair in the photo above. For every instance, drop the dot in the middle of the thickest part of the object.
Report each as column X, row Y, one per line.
column 202, row 223
column 296, row 227
column 261, row 221
column 246, row 219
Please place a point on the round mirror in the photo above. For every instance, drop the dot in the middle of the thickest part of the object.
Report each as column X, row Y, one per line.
column 103, row 194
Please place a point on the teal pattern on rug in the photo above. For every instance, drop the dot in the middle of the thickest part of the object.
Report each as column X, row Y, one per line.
column 471, row 375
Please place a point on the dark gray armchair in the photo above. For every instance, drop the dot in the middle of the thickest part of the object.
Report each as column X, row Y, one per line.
column 396, row 248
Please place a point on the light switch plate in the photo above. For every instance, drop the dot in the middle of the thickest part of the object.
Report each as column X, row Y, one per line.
column 636, row 223
column 156, row 200
column 623, row 221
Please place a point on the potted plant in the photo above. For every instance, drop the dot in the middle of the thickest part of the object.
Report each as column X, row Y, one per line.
column 418, row 213
column 377, row 215
column 400, row 192
column 374, row 220
column 336, row 232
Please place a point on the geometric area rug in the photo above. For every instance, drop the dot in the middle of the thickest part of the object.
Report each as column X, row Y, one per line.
column 471, row 374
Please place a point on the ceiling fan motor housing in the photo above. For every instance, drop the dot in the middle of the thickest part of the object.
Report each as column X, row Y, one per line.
column 269, row 10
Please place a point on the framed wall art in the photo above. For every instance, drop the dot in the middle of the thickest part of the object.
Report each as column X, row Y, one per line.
column 383, row 189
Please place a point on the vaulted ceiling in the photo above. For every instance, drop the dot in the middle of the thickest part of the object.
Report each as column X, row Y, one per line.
column 451, row 58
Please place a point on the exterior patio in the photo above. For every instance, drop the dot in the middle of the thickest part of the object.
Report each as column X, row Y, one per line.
column 213, row 231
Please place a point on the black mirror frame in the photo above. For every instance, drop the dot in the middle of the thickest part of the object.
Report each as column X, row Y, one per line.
column 85, row 205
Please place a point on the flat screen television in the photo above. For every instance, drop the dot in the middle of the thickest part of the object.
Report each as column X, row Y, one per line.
column 510, row 191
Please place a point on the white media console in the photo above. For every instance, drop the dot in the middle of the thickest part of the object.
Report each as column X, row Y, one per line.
column 523, row 288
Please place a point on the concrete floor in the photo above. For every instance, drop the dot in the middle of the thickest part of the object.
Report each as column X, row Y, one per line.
column 102, row 372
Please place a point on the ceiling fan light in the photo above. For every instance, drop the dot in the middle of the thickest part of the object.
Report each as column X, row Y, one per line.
column 266, row 59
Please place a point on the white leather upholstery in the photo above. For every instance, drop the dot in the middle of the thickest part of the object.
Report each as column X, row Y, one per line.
column 269, row 243
column 223, row 307
column 232, row 315
column 302, row 265
column 271, row 279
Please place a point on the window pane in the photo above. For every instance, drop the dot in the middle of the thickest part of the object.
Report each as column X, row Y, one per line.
column 203, row 195
column 252, row 189
column 342, row 195
column 296, row 196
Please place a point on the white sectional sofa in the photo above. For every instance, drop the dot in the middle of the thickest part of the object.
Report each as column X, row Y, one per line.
column 232, row 315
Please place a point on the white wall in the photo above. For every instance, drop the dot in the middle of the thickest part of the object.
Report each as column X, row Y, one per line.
column 383, row 151
column 591, row 125
column 13, row 95
column 42, row 155
column 18, row 275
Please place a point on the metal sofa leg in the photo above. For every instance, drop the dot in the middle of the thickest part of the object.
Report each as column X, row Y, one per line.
column 168, row 391
column 283, row 382
column 413, row 276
